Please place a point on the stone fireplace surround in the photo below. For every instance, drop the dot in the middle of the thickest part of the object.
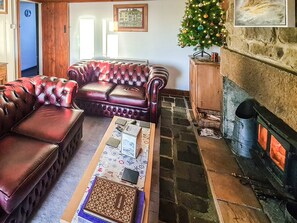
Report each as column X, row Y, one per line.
column 271, row 86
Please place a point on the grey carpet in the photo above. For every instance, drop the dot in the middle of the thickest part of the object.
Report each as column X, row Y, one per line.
column 53, row 206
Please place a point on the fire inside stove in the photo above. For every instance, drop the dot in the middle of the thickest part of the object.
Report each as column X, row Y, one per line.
column 273, row 146
column 277, row 153
column 262, row 136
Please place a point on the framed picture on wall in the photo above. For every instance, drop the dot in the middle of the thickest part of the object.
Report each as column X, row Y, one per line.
column 3, row 6
column 130, row 18
column 268, row 13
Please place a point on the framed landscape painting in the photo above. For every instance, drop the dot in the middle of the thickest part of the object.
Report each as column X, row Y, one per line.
column 251, row 13
column 130, row 17
column 3, row 6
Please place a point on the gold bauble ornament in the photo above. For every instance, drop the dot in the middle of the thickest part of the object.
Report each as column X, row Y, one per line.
column 205, row 16
column 184, row 31
column 218, row 35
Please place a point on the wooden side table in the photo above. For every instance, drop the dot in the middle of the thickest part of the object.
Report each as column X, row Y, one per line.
column 205, row 86
column 3, row 73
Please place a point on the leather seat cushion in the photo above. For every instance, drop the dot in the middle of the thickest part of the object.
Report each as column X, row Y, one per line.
column 23, row 161
column 128, row 95
column 95, row 91
column 50, row 123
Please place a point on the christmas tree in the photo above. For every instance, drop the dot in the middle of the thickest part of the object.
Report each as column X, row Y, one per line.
column 202, row 25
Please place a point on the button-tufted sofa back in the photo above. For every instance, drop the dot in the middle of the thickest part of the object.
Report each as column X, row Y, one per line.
column 110, row 71
column 19, row 98
column 54, row 91
column 16, row 102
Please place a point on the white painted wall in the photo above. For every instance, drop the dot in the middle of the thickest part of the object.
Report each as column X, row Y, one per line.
column 158, row 45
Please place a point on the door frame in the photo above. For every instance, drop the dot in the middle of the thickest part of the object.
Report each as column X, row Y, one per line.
column 39, row 36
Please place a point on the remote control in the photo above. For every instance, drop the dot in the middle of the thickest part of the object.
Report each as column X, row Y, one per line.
column 119, row 128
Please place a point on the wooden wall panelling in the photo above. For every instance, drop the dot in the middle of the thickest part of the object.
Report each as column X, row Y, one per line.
column 48, row 39
column 55, row 39
column 62, row 40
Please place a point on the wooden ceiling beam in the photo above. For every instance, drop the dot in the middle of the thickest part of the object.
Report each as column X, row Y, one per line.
column 73, row 1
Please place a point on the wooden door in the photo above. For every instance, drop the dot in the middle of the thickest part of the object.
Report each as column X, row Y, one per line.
column 55, row 35
column 209, row 86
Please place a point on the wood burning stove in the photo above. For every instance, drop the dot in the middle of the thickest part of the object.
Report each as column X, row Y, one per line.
column 277, row 149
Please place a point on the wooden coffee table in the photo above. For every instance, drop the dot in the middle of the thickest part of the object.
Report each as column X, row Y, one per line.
column 72, row 206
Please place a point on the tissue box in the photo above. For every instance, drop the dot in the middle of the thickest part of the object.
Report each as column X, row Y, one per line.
column 131, row 140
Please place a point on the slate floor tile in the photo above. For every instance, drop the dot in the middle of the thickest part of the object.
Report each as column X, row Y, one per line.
column 179, row 110
column 189, row 171
column 166, row 147
column 183, row 214
column 179, row 102
column 166, row 173
column 167, row 211
column 166, row 121
column 195, row 188
column 192, row 202
column 166, row 104
column 167, row 189
column 188, row 152
column 166, row 163
column 181, row 121
column 169, row 99
column 166, row 132
column 188, row 137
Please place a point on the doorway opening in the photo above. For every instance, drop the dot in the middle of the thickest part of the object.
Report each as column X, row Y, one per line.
column 29, row 39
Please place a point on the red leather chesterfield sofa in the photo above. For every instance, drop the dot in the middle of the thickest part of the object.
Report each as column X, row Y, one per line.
column 120, row 88
column 40, row 128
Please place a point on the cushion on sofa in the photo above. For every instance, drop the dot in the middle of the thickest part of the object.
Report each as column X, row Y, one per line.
column 95, row 91
column 23, row 161
column 128, row 95
column 50, row 123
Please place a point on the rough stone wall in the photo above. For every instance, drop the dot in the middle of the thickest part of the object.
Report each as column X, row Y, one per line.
column 262, row 62
column 274, row 45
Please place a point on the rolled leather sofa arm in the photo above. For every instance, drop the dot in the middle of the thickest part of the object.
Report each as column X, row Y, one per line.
column 55, row 91
column 80, row 72
column 157, row 81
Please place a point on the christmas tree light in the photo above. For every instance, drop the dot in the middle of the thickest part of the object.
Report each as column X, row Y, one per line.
column 202, row 25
